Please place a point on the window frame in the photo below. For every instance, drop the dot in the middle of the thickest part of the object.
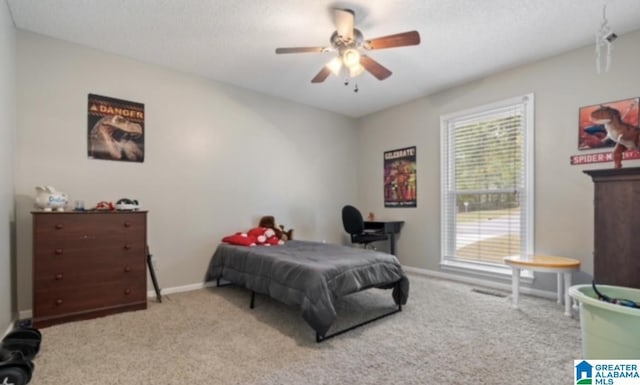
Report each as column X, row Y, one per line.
column 447, row 167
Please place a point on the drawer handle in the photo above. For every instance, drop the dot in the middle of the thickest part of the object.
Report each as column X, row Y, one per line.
column 58, row 251
column 127, row 269
column 59, row 226
column 127, row 291
column 58, row 277
column 127, row 247
column 58, row 302
column 127, row 224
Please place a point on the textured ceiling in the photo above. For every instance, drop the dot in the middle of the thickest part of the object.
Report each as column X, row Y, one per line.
column 233, row 41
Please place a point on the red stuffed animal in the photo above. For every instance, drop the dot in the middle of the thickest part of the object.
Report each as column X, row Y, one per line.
column 258, row 236
column 241, row 239
column 264, row 236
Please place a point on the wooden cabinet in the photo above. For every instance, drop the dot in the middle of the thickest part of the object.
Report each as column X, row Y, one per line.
column 616, row 257
column 88, row 264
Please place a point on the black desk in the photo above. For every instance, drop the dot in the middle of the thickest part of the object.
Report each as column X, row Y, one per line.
column 391, row 228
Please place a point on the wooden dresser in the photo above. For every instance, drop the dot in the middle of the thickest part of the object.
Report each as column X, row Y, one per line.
column 88, row 264
column 616, row 256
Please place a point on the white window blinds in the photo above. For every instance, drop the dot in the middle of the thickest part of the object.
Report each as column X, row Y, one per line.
column 486, row 182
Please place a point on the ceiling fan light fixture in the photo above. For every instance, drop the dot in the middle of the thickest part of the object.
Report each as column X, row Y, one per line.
column 335, row 65
column 351, row 46
column 351, row 57
column 356, row 70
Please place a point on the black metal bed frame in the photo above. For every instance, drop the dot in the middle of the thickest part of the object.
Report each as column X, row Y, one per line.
column 321, row 338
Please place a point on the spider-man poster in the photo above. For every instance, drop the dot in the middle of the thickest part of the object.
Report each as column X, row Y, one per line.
column 400, row 181
column 115, row 129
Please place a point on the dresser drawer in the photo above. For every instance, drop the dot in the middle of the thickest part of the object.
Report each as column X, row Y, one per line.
column 89, row 227
column 65, row 300
column 88, row 264
column 69, row 274
column 80, row 251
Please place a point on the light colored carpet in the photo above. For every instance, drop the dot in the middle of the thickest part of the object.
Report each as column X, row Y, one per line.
column 446, row 334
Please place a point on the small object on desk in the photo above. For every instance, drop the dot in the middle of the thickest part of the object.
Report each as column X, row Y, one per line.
column 548, row 264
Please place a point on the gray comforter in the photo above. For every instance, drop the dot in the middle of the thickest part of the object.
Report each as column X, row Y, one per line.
column 311, row 275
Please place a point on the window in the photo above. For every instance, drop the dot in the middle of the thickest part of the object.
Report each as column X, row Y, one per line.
column 487, row 185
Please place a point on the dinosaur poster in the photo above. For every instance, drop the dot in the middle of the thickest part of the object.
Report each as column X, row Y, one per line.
column 598, row 123
column 115, row 129
column 400, row 184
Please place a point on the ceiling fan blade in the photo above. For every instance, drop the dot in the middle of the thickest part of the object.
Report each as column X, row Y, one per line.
column 343, row 19
column 321, row 76
column 300, row 49
column 376, row 69
column 396, row 40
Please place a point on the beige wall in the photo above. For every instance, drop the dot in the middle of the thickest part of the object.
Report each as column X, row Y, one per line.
column 217, row 157
column 563, row 193
column 7, row 154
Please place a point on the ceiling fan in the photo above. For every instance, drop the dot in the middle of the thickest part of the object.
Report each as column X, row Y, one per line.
column 349, row 42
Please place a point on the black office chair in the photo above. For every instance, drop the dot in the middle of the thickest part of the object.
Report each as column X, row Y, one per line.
column 354, row 226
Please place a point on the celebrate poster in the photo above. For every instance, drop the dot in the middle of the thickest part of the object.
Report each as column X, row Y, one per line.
column 400, row 181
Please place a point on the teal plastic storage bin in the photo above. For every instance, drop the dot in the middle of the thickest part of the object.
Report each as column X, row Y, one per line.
column 609, row 331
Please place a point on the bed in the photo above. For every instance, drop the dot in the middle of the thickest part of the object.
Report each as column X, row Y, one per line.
column 311, row 275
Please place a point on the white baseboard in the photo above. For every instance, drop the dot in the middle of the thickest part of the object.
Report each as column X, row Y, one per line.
column 181, row 289
column 479, row 282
